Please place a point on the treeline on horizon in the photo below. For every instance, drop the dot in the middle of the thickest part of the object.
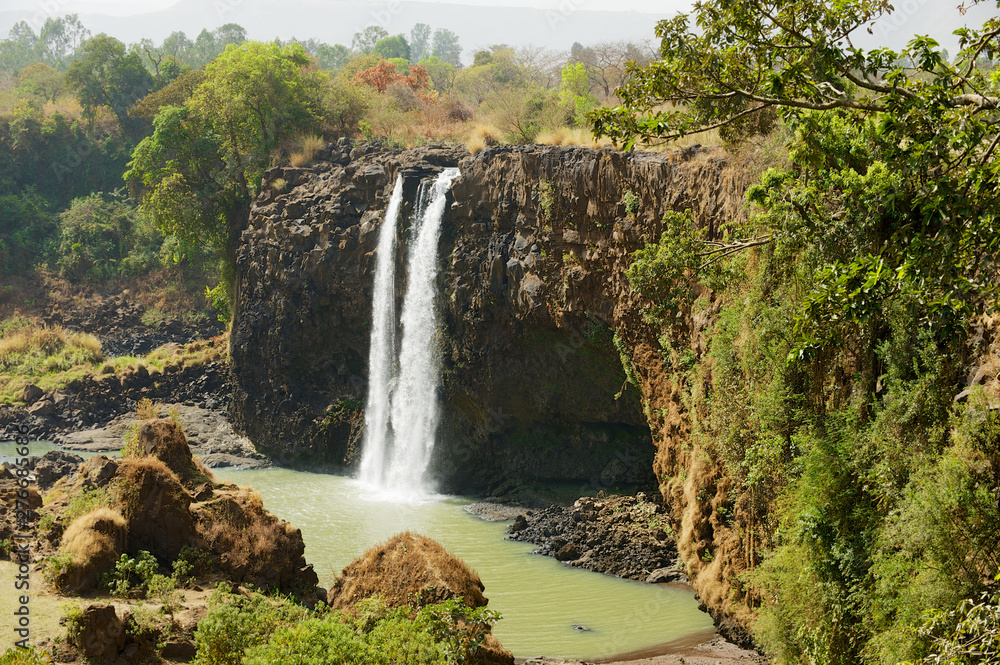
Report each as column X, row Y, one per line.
column 74, row 107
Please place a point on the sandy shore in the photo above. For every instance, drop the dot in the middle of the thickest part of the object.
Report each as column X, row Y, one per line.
column 704, row 649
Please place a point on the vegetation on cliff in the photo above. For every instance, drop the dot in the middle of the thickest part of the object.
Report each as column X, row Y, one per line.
column 854, row 315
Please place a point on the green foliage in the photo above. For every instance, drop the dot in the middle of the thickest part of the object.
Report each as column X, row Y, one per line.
column 101, row 239
column 105, row 73
column 29, row 656
column 575, row 94
column 132, row 577
column 27, row 229
column 220, row 301
column 827, row 392
column 665, row 272
column 967, row 635
column 458, row 629
column 235, row 623
column 86, row 501
column 393, row 47
column 202, row 166
column 55, row 566
column 255, row 630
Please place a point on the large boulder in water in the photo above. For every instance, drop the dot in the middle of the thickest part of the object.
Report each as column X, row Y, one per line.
column 411, row 569
column 403, row 567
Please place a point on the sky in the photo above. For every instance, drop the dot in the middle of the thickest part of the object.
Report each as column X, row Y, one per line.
column 132, row 7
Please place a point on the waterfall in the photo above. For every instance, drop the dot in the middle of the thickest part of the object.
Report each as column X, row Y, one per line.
column 401, row 416
column 382, row 355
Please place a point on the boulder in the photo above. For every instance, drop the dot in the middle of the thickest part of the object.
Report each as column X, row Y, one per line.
column 252, row 545
column 94, row 542
column 99, row 634
column 163, row 439
column 410, row 568
column 404, row 567
column 54, row 465
column 98, row 470
column 31, row 393
column 156, row 507
column 43, row 407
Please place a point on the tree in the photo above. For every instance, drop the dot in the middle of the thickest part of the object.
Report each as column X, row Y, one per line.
column 59, row 38
column 365, row 41
column 392, row 47
column 606, row 63
column 333, row 57
column 446, row 46
column 105, row 74
column 19, row 49
column 420, row 40
column 200, row 170
column 873, row 252
column 40, row 80
column 749, row 62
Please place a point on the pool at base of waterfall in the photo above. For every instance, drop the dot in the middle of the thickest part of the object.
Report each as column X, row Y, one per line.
column 548, row 608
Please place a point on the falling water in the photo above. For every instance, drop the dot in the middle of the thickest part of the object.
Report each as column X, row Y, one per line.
column 397, row 453
column 382, row 356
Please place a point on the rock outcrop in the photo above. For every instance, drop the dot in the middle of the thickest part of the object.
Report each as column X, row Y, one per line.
column 534, row 247
column 538, row 319
column 624, row 536
column 165, row 500
column 410, row 569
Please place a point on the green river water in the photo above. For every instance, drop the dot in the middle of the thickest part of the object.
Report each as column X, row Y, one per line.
column 541, row 600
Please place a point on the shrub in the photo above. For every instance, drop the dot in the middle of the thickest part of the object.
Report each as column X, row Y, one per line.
column 132, row 577
column 85, row 502
column 236, row 623
column 146, row 410
column 18, row 656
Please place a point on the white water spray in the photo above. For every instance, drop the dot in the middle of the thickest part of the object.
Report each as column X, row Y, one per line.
column 397, row 453
column 382, row 356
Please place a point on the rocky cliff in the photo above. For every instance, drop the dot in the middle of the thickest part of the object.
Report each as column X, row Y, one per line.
column 538, row 321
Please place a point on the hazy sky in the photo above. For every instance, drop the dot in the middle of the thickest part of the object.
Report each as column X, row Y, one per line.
column 128, row 7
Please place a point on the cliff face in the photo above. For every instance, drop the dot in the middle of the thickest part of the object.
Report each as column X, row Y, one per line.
column 536, row 314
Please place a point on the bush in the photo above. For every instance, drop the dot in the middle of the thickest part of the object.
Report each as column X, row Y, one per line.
column 29, row 656
column 132, row 577
column 101, row 239
column 236, row 623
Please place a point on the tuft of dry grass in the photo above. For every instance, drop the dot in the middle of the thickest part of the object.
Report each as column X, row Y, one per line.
column 49, row 357
column 483, row 136
column 578, row 136
column 308, row 146
column 93, row 543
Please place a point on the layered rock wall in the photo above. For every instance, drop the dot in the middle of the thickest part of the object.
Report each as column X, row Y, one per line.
column 536, row 319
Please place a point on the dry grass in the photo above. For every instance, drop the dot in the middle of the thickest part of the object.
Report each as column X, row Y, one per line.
column 93, row 542
column 405, row 566
column 46, row 608
column 483, row 136
column 308, row 146
column 49, row 357
column 579, row 136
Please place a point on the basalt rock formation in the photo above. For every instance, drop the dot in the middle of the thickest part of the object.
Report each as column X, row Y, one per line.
column 534, row 247
column 550, row 372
